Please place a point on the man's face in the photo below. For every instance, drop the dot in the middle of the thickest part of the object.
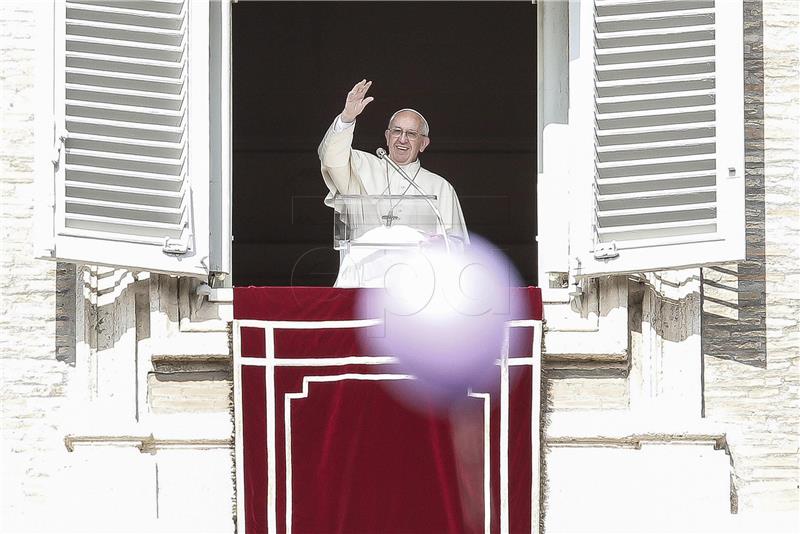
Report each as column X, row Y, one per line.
column 404, row 138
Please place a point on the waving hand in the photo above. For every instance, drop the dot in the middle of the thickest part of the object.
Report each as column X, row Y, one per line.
column 356, row 101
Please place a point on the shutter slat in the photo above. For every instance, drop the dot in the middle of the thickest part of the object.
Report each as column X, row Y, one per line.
column 125, row 32
column 133, row 178
column 612, row 7
column 166, row 6
column 637, row 204
column 656, row 102
column 656, row 134
column 127, row 16
column 119, row 145
column 655, row 147
column 664, row 85
column 639, row 196
column 133, row 45
column 139, row 99
column 656, row 69
column 650, row 21
column 125, row 229
column 656, row 234
column 661, row 80
column 116, row 67
column 121, row 142
column 114, row 129
column 654, row 129
column 655, row 49
column 647, row 113
column 660, row 15
column 656, row 156
column 656, row 96
column 141, row 195
column 126, row 211
column 139, row 82
column 133, row 116
column 119, row 64
column 619, row 169
column 133, row 158
column 124, row 162
column 610, row 34
column 132, row 49
column 124, row 113
column 650, row 161
column 614, row 56
column 150, row 226
column 157, row 239
column 645, row 212
column 616, row 39
column 656, row 117
column 604, row 71
column 659, row 179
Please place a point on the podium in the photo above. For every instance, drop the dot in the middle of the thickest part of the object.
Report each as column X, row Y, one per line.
column 322, row 445
column 374, row 232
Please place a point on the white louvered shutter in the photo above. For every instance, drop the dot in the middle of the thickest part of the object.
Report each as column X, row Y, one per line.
column 131, row 107
column 668, row 185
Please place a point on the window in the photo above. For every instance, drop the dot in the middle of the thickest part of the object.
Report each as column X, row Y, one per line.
column 642, row 164
column 474, row 81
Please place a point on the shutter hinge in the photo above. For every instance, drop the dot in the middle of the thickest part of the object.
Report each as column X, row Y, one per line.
column 575, row 289
column 175, row 247
column 58, row 147
column 606, row 251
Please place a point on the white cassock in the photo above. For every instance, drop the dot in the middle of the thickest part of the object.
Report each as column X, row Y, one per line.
column 366, row 174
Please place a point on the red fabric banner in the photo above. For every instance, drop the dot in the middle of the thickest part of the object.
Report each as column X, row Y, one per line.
column 324, row 444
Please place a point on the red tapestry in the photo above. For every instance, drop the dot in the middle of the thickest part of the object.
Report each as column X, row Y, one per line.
column 325, row 446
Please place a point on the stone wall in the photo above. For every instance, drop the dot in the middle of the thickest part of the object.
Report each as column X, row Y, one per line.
column 34, row 377
column 149, row 449
column 751, row 339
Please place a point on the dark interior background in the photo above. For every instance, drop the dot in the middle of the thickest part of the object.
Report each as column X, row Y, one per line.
column 470, row 68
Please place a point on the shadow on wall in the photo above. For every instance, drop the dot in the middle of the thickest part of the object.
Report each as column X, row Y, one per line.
column 107, row 317
column 734, row 296
column 671, row 318
column 65, row 313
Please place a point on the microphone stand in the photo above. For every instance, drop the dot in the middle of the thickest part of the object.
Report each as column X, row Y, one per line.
column 381, row 153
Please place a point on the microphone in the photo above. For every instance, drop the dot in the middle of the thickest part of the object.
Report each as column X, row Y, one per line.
column 381, row 153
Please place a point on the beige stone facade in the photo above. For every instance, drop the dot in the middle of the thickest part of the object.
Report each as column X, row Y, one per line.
column 33, row 396
column 751, row 335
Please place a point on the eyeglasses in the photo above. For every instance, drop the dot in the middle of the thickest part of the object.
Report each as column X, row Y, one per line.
column 412, row 135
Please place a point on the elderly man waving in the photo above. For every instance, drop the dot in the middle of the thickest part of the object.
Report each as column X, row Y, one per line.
column 353, row 172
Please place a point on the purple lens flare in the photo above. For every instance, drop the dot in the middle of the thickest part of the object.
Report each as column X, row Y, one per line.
column 444, row 320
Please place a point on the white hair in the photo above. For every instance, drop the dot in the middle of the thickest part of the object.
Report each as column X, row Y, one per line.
column 425, row 128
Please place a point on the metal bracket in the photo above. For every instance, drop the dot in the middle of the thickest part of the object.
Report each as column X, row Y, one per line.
column 58, row 147
column 213, row 294
column 574, row 284
column 606, row 251
column 174, row 247
column 216, row 278
column 202, row 290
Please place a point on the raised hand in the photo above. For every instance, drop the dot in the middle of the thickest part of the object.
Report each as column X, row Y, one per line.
column 356, row 101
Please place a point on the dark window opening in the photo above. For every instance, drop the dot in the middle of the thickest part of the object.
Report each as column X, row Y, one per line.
column 470, row 68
